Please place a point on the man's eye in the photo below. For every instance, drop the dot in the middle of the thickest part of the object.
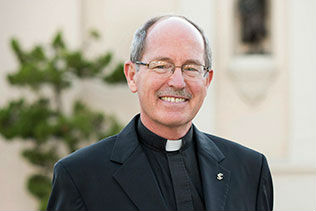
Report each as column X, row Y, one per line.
column 191, row 68
column 160, row 67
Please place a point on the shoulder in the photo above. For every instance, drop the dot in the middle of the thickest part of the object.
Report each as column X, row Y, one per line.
column 241, row 160
column 92, row 155
column 232, row 147
column 237, row 154
column 247, row 168
column 98, row 155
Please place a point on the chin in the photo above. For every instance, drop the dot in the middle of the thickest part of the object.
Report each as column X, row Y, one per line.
column 173, row 120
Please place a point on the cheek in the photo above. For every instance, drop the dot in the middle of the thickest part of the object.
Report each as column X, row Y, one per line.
column 147, row 87
column 198, row 89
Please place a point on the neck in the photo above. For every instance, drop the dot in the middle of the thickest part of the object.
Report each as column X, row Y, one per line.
column 171, row 132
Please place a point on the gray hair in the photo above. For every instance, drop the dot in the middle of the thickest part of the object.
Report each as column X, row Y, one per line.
column 139, row 39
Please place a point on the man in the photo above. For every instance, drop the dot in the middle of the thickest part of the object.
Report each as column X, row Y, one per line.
column 160, row 161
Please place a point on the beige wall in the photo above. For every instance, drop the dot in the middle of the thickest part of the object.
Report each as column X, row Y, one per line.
column 281, row 124
column 281, row 121
column 252, row 92
column 31, row 22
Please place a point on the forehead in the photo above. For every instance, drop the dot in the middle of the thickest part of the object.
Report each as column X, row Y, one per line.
column 174, row 38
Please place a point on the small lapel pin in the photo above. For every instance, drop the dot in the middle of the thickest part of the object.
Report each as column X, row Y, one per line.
column 220, row 176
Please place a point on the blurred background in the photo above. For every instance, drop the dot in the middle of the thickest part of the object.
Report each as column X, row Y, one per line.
column 263, row 94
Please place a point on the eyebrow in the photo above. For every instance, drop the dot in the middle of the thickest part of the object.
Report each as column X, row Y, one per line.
column 194, row 61
column 189, row 61
column 162, row 58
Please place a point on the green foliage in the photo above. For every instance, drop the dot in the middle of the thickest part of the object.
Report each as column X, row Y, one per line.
column 95, row 34
column 116, row 76
column 40, row 187
column 42, row 124
column 15, row 120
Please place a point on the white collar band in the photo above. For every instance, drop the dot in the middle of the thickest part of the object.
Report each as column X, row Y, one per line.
column 173, row 145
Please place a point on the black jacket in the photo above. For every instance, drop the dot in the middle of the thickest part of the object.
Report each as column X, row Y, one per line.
column 114, row 174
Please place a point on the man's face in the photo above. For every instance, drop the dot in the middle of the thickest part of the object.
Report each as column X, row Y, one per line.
column 170, row 102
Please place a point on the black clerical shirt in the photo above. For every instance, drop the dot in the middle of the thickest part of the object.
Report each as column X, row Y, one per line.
column 154, row 147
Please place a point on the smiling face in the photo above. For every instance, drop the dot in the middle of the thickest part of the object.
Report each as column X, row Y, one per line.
column 168, row 104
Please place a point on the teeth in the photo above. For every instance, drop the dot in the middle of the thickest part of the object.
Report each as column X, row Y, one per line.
column 173, row 99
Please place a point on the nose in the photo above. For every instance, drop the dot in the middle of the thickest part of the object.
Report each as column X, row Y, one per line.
column 176, row 80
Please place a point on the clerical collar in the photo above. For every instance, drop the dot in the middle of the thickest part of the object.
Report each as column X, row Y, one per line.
column 158, row 143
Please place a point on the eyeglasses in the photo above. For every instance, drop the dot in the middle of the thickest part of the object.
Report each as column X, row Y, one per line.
column 165, row 68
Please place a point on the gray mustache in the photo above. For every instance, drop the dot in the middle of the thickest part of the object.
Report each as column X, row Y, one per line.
column 178, row 93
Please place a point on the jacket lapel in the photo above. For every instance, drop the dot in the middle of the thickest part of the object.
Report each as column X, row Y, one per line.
column 215, row 178
column 138, row 181
column 135, row 175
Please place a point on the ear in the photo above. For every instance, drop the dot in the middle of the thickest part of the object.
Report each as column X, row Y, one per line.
column 130, row 73
column 209, row 78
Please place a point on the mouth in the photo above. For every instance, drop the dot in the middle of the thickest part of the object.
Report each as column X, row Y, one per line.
column 173, row 99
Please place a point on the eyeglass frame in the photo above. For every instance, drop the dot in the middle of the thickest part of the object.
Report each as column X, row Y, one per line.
column 205, row 68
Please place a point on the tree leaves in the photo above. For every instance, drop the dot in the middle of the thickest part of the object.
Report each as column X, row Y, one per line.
column 40, row 186
column 116, row 76
column 58, row 65
column 26, row 121
column 58, row 41
column 44, row 127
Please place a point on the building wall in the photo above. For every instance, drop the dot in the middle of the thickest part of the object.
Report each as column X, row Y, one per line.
column 30, row 22
column 281, row 124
